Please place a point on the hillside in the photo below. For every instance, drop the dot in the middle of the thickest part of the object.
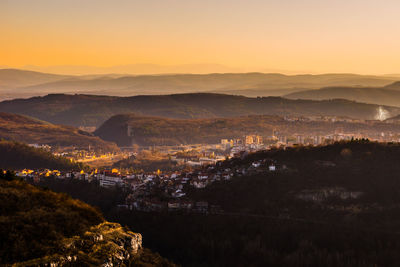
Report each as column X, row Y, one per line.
column 23, row 205
column 10, row 79
column 336, row 205
column 356, row 166
column 32, row 131
column 13, row 78
column 329, row 206
column 42, row 228
column 393, row 86
column 17, row 156
column 162, row 131
column 88, row 110
column 388, row 95
column 19, row 83
column 395, row 119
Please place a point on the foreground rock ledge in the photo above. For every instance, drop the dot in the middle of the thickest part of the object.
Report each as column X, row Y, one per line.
column 106, row 244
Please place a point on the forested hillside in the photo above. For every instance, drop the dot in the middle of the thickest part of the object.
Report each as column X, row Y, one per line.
column 28, row 130
column 335, row 205
column 90, row 110
column 388, row 95
column 163, row 131
column 17, row 156
column 42, row 228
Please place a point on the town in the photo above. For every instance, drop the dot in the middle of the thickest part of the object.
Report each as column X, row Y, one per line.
column 197, row 167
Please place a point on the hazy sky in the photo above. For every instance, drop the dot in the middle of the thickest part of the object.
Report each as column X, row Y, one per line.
column 361, row 36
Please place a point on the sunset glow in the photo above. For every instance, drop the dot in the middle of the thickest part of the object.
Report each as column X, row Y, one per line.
column 299, row 35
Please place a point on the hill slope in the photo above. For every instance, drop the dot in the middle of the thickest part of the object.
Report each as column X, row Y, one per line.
column 90, row 110
column 28, row 130
column 50, row 217
column 13, row 78
column 163, row 131
column 388, row 95
column 336, row 205
column 19, row 156
column 43, row 228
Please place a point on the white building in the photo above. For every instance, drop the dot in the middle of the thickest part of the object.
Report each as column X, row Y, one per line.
column 109, row 181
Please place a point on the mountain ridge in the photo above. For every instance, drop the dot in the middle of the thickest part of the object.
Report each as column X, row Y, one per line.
column 387, row 95
column 92, row 110
column 129, row 85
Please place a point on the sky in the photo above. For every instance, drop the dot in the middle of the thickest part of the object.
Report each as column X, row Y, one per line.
column 304, row 36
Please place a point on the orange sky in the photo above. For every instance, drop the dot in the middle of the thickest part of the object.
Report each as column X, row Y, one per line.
column 360, row 36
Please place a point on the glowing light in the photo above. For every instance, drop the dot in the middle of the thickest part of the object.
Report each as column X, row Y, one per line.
column 382, row 114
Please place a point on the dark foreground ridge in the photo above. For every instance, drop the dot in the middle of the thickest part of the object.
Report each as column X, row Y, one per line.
column 43, row 228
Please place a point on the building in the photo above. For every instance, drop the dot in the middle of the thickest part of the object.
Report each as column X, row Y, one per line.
column 109, row 180
column 299, row 139
column 282, row 139
column 248, row 140
column 258, row 140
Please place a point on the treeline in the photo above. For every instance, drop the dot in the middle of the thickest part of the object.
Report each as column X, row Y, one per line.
column 16, row 156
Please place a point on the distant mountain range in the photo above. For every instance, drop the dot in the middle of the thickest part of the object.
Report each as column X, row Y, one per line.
column 16, row 83
column 387, row 95
column 90, row 110
column 134, row 69
column 20, row 128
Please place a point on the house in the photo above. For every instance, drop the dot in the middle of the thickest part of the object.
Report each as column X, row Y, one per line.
column 173, row 205
column 203, row 176
column 109, row 180
column 272, row 168
column 256, row 164
column 178, row 193
column 199, row 184
column 201, row 206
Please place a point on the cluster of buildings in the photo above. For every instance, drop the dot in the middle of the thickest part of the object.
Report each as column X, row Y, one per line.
column 321, row 118
column 173, row 186
column 161, row 191
column 301, row 139
column 247, row 143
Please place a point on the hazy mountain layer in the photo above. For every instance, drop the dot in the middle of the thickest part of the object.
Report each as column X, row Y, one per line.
column 18, row 83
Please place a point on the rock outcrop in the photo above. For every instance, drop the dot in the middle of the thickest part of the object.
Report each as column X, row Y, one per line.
column 107, row 244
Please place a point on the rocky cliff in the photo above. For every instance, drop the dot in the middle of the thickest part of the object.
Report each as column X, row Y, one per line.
column 106, row 244
column 39, row 227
